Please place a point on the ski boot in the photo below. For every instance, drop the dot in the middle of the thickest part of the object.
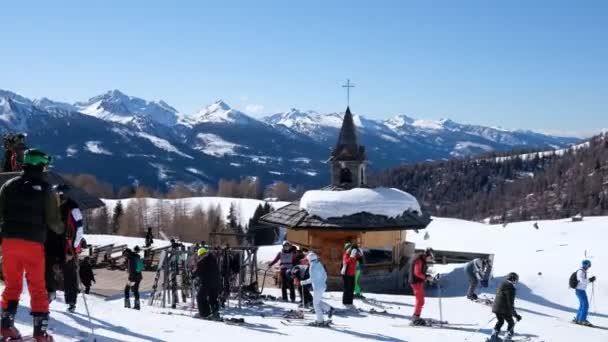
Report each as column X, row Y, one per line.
column 417, row 321
column 41, row 324
column 494, row 337
column 509, row 336
column 127, row 303
column 136, row 305
column 331, row 312
column 321, row 324
column 8, row 330
column 473, row 297
column 585, row 323
column 72, row 308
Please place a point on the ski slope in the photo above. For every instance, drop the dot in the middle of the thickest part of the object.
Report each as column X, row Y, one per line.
column 544, row 258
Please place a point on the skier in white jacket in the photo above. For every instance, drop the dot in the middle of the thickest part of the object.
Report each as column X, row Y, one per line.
column 318, row 279
column 581, row 293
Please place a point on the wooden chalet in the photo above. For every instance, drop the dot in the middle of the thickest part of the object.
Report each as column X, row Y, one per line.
column 383, row 239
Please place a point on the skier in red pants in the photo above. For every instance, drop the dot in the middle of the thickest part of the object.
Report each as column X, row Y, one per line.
column 417, row 278
column 28, row 208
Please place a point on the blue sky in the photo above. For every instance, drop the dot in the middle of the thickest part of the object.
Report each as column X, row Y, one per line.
column 518, row 64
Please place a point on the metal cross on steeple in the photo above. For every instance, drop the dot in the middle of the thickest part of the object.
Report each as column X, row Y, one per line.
column 348, row 85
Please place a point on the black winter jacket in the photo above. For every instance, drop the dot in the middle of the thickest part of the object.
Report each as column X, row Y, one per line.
column 208, row 271
column 504, row 303
column 132, row 260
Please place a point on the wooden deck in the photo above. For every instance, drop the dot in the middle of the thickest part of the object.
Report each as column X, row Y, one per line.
column 112, row 282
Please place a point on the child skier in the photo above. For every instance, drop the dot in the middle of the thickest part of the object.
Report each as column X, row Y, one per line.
column 478, row 271
column 504, row 307
column 134, row 268
column 348, row 271
column 208, row 273
column 581, row 293
column 318, row 279
column 87, row 277
column 417, row 277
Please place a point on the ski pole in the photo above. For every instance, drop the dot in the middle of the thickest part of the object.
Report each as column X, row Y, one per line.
column 86, row 306
column 593, row 298
column 478, row 330
column 440, row 304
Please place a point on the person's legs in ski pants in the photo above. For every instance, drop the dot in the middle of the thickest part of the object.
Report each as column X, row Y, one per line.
column 419, row 294
column 214, row 304
column 349, row 290
column 203, row 302
column 19, row 256
column 319, row 305
column 357, row 286
column 500, row 321
column 583, row 309
column 473, row 282
column 135, row 289
column 70, row 281
column 287, row 283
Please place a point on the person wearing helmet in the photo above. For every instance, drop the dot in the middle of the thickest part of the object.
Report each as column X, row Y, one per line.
column 352, row 253
column 72, row 218
column 417, row 277
column 478, row 271
column 208, row 274
column 287, row 258
column 318, row 280
column 135, row 266
column 28, row 208
column 504, row 307
column 581, row 293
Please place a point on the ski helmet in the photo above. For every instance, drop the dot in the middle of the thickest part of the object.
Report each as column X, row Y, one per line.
column 35, row 157
column 348, row 245
column 586, row 263
column 312, row 256
column 429, row 252
column 202, row 251
column 513, row 277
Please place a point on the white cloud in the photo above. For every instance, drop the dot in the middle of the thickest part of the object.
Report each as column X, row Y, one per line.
column 254, row 108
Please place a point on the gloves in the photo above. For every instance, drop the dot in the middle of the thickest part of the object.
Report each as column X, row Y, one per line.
column 592, row 279
column 484, row 283
column 517, row 317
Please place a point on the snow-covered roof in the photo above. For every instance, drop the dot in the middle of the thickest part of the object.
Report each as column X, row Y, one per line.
column 387, row 202
column 380, row 209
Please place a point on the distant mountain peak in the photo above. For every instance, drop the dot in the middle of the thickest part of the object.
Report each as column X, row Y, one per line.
column 220, row 112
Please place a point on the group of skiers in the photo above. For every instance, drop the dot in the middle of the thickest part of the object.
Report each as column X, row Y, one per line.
column 479, row 272
column 42, row 231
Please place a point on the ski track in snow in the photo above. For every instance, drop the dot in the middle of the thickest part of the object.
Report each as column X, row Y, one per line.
column 544, row 258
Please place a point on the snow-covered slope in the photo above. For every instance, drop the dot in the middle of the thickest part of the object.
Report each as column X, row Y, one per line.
column 544, row 258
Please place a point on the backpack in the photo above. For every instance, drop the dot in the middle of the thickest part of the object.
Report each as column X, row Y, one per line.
column 139, row 266
column 573, row 280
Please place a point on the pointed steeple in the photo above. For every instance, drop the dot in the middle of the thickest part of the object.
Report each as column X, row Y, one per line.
column 347, row 147
column 348, row 157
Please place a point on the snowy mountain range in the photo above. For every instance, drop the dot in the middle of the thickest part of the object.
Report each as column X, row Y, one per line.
column 124, row 139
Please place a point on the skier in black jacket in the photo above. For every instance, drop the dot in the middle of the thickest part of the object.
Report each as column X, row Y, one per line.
column 134, row 267
column 86, row 274
column 504, row 307
column 208, row 273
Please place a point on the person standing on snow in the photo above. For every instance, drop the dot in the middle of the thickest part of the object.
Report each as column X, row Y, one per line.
column 149, row 238
column 358, row 292
column 478, row 271
column 581, row 293
column 135, row 266
column 300, row 273
column 417, row 277
column 87, row 277
column 318, row 280
column 28, row 208
column 348, row 271
column 208, row 274
column 74, row 232
column 504, row 307
column 287, row 257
